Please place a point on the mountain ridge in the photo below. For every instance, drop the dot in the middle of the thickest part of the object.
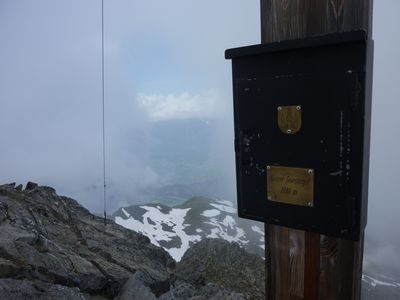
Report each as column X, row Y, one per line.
column 53, row 248
column 189, row 222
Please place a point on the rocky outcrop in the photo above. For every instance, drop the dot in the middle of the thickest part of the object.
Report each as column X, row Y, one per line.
column 227, row 264
column 53, row 248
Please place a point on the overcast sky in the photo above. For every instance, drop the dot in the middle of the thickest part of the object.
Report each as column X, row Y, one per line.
column 164, row 61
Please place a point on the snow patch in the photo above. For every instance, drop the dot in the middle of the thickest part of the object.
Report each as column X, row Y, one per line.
column 224, row 202
column 174, row 219
column 374, row 282
column 229, row 222
column 211, row 213
column 220, row 230
column 125, row 213
column 224, row 208
column 257, row 229
column 169, row 229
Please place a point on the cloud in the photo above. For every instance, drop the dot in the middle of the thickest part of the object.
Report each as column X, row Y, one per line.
column 160, row 107
column 379, row 259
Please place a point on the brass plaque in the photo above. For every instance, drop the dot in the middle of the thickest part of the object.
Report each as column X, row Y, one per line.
column 290, row 185
column 289, row 118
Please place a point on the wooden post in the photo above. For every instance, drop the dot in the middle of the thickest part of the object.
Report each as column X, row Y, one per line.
column 299, row 264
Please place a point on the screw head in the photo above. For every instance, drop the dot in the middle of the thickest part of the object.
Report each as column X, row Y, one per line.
column 269, row 198
column 279, row 108
column 309, row 204
column 289, row 131
column 310, row 171
column 298, row 107
column 268, row 167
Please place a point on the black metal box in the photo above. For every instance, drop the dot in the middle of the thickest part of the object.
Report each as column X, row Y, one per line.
column 302, row 132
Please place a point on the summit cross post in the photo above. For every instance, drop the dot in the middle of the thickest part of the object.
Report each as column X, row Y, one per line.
column 301, row 264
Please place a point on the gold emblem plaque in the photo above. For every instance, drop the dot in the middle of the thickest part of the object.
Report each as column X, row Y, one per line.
column 289, row 118
column 290, row 185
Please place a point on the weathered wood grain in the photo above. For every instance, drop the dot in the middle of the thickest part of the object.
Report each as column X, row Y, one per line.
column 296, row 253
column 311, row 266
column 285, row 263
column 330, row 286
column 304, row 265
column 340, row 259
column 279, row 263
column 292, row 19
column 355, row 14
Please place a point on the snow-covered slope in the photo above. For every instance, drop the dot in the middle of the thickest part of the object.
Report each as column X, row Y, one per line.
column 176, row 229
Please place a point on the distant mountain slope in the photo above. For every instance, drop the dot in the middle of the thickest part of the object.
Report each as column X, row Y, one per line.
column 177, row 229
column 214, row 188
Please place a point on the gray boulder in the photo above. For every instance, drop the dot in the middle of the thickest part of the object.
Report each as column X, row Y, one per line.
column 31, row 185
column 135, row 289
column 12, row 289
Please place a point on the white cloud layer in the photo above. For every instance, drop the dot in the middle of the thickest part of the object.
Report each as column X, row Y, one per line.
column 160, row 107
